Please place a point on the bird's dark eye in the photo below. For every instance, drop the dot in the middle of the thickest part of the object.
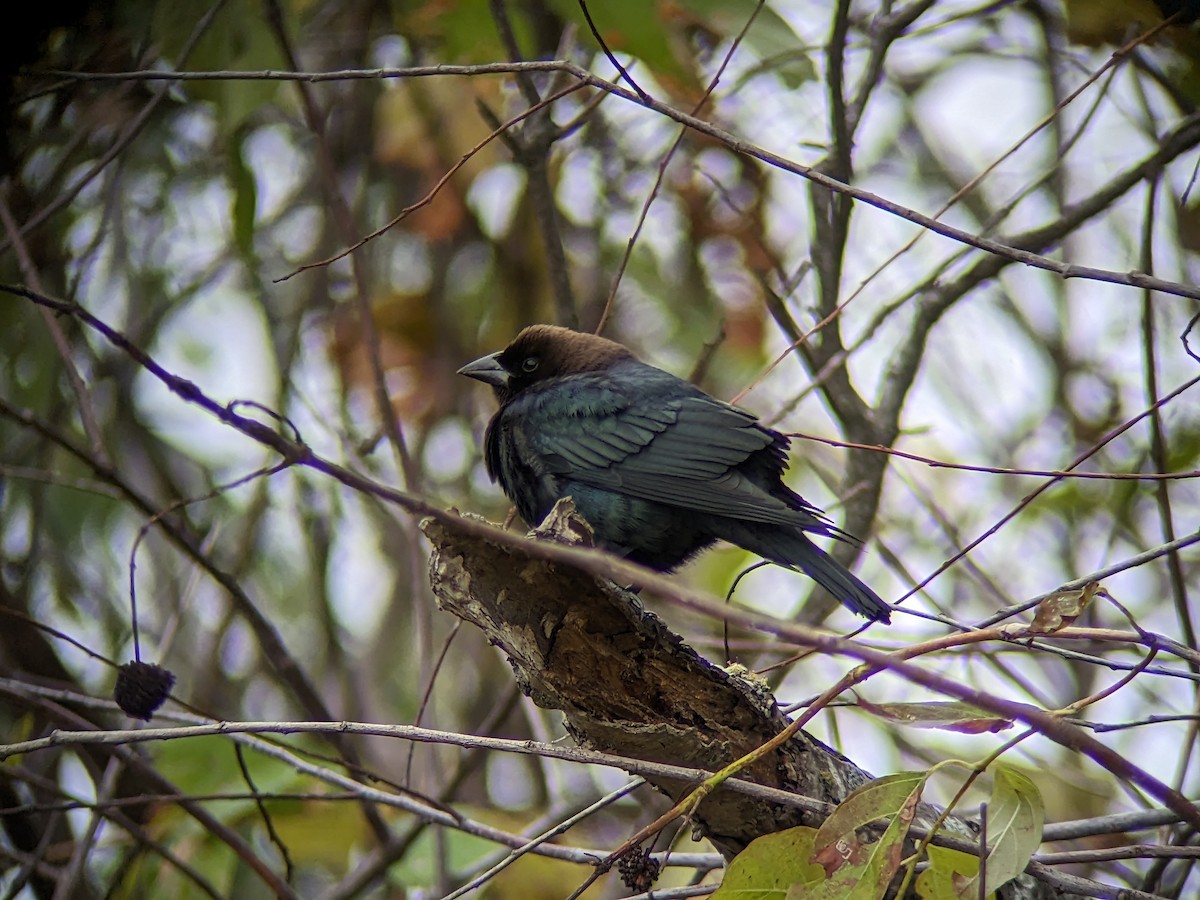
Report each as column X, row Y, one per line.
column 529, row 364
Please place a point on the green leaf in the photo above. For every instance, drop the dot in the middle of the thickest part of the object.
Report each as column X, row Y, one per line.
column 462, row 32
column 770, row 37
column 250, row 45
column 632, row 27
column 770, row 866
column 858, row 871
column 1096, row 22
column 874, row 800
column 946, row 868
column 1014, row 828
column 245, row 196
column 319, row 832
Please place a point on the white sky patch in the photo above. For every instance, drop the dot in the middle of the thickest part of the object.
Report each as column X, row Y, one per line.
column 317, row 392
column 360, row 576
column 449, row 450
column 390, row 51
column 509, row 783
column 580, row 187
column 278, row 166
column 78, row 782
column 493, row 198
column 409, row 269
column 470, row 271
column 220, row 342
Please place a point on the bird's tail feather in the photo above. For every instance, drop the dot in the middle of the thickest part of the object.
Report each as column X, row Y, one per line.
column 794, row 550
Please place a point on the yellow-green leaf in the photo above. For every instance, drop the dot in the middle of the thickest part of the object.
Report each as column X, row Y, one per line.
column 1014, row 829
column 874, row 800
column 859, row 871
column 770, row 866
column 946, row 866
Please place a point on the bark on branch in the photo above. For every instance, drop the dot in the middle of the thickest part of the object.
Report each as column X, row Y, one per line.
column 628, row 685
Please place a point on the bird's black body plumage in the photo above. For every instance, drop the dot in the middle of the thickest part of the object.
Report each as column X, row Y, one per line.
column 659, row 469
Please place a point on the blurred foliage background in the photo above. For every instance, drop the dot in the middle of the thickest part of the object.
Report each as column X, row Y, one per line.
column 196, row 217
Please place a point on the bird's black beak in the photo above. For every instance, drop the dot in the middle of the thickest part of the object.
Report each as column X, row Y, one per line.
column 487, row 369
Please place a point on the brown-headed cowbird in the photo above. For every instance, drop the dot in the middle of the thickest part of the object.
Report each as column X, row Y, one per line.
column 659, row 469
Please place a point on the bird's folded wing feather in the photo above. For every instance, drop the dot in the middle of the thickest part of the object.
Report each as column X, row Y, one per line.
column 679, row 451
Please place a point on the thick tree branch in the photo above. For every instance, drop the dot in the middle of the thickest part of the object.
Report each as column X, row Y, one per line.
column 627, row 685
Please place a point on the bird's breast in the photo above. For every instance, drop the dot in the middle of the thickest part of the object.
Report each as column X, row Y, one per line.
column 522, row 472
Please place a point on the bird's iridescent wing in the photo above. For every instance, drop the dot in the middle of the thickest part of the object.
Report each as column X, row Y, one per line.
column 693, row 452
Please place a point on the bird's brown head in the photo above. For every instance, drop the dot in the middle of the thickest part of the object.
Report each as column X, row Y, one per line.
column 540, row 352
